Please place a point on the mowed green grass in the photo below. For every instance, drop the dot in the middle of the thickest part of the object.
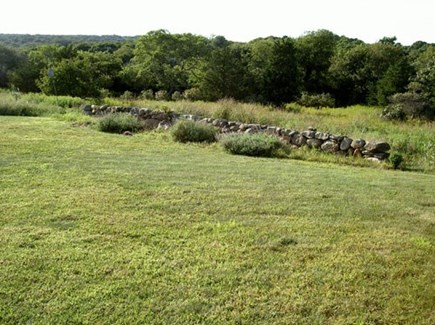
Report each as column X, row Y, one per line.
column 105, row 229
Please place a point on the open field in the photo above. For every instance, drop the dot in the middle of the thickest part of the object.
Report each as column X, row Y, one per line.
column 105, row 229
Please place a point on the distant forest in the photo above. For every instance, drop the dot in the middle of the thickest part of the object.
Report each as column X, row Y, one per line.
column 26, row 40
column 318, row 68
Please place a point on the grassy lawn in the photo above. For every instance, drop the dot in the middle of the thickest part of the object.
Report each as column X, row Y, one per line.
column 104, row 229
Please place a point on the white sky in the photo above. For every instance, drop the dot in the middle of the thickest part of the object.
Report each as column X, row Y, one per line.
column 368, row 20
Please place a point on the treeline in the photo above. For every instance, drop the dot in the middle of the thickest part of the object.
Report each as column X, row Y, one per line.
column 27, row 40
column 317, row 69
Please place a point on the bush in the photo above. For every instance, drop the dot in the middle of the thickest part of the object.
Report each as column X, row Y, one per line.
column 408, row 105
column 118, row 123
column 293, row 108
column 147, row 94
column 192, row 94
column 127, row 95
column 190, row 131
column 396, row 160
column 316, row 100
column 162, row 95
column 177, row 96
column 258, row 145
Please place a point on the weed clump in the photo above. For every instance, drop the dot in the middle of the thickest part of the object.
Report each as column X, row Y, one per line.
column 118, row 123
column 256, row 145
column 190, row 131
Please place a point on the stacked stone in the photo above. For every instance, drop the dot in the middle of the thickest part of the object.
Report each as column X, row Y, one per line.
column 338, row 144
column 342, row 145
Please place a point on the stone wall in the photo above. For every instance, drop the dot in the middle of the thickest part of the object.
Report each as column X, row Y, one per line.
column 338, row 144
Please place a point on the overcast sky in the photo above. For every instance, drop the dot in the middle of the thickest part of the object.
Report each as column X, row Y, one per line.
column 368, row 20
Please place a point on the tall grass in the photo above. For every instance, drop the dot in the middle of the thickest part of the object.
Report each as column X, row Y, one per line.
column 61, row 107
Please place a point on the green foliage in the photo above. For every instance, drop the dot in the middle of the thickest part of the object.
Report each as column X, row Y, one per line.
column 10, row 59
column 162, row 95
column 315, row 52
column 61, row 101
column 369, row 73
column 225, row 74
column 292, row 107
column 408, row 105
column 28, row 105
column 257, row 145
column 147, row 94
column 26, row 40
column 165, row 61
column 177, row 96
column 118, row 123
column 316, row 100
column 284, row 78
column 76, row 73
column 192, row 94
column 190, row 131
column 127, row 95
column 396, row 160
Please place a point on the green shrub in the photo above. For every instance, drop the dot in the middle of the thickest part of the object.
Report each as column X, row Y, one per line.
column 192, row 94
column 293, row 107
column 177, row 96
column 408, row 105
column 316, row 100
column 396, row 160
column 118, row 123
column 190, row 131
column 147, row 94
column 258, row 145
column 162, row 95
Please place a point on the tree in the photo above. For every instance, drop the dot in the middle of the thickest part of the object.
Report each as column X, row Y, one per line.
column 283, row 79
column 369, row 73
column 163, row 61
column 9, row 60
column 316, row 50
column 84, row 75
column 225, row 73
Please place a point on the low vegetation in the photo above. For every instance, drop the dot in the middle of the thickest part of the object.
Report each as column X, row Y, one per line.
column 101, row 229
column 257, row 145
column 118, row 123
column 191, row 131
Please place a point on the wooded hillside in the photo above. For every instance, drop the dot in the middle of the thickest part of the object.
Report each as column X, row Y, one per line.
column 316, row 69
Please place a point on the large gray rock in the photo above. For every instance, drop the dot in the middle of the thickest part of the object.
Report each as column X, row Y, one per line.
column 271, row 129
column 309, row 134
column 336, row 138
column 314, row 143
column 87, row 109
column 358, row 143
column 377, row 146
column 299, row 140
column 345, row 144
column 330, row 146
column 322, row 136
column 164, row 125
